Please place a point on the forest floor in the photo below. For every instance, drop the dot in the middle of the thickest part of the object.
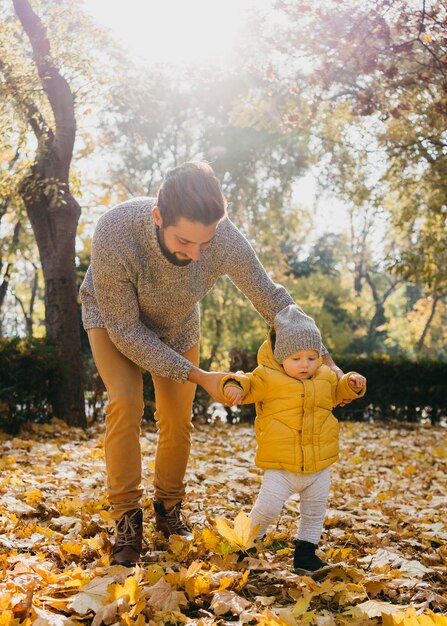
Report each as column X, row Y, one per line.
column 385, row 535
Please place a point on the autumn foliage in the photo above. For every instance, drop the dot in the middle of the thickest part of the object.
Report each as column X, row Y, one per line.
column 385, row 536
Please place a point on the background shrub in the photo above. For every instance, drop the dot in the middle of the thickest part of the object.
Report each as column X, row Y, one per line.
column 29, row 375
column 397, row 388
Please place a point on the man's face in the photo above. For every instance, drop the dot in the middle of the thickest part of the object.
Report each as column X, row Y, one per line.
column 184, row 241
column 302, row 364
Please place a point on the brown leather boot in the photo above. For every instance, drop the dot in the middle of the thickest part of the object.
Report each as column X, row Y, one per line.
column 171, row 522
column 128, row 539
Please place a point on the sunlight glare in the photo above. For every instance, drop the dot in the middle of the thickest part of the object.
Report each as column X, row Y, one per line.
column 174, row 31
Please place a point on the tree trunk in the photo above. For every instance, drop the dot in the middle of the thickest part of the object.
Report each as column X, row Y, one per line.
column 420, row 344
column 54, row 223
column 54, row 214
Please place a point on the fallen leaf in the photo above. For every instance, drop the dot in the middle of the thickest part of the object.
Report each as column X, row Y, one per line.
column 46, row 618
column 374, row 608
column 108, row 614
column 91, row 596
column 242, row 535
column 163, row 597
column 129, row 589
column 228, row 602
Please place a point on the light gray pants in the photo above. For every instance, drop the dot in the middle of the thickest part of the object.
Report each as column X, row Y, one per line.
column 278, row 486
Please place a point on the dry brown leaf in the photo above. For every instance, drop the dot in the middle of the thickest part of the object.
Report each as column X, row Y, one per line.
column 163, row 597
column 91, row 596
column 108, row 614
column 228, row 602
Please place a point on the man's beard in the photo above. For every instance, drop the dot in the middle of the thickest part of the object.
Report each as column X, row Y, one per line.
column 170, row 256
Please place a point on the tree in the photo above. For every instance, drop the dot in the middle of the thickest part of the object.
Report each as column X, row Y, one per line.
column 51, row 208
column 368, row 83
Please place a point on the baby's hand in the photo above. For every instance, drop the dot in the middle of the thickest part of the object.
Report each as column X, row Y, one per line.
column 234, row 394
column 357, row 381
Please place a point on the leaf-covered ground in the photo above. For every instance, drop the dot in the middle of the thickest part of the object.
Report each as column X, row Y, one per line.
column 385, row 536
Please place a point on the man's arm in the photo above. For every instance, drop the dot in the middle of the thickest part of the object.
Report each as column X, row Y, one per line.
column 248, row 274
column 328, row 360
column 210, row 381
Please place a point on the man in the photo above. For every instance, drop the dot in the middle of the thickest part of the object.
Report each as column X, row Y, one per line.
column 153, row 260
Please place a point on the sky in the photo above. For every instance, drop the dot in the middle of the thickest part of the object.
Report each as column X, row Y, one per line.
column 181, row 33
column 176, row 31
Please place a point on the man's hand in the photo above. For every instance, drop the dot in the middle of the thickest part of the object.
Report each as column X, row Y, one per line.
column 234, row 394
column 357, row 381
column 328, row 360
column 210, row 381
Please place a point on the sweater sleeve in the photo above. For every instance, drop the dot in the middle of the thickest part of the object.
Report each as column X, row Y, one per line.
column 248, row 274
column 117, row 300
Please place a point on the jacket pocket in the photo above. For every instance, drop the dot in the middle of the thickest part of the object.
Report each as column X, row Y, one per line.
column 328, row 438
column 276, row 442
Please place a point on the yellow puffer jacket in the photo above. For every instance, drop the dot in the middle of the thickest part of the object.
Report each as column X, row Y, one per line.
column 295, row 428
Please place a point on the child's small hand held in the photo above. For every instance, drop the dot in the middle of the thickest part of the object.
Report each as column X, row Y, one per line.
column 233, row 394
column 357, row 381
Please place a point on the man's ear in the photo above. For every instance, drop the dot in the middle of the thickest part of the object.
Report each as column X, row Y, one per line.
column 157, row 216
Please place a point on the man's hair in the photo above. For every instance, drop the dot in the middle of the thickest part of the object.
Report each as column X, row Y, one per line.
column 192, row 191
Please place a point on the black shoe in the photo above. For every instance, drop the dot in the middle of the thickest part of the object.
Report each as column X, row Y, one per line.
column 171, row 522
column 305, row 558
column 128, row 539
column 243, row 554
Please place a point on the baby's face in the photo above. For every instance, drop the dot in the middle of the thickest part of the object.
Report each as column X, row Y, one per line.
column 302, row 364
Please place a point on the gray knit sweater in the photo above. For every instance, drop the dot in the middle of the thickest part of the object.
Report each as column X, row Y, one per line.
column 149, row 305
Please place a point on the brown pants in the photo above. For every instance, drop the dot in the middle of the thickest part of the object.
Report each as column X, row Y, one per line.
column 124, row 383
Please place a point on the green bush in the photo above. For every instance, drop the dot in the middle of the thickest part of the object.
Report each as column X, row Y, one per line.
column 397, row 388
column 29, row 374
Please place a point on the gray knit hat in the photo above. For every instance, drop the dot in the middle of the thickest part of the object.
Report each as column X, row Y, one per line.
column 295, row 331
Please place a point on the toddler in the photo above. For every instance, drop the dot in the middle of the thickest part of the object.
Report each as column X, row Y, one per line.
column 296, row 432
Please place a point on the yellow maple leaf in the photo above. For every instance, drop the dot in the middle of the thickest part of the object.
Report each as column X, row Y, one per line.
column 268, row 618
column 153, row 574
column 72, row 548
column 225, row 582
column 140, row 605
column 197, row 586
column 243, row 580
column 193, row 569
column 301, row 606
column 210, row 540
column 242, row 535
column 140, row 621
column 339, row 554
column 33, row 497
column 70, row 506
column 179, row 547
column 130, row 588
column 7, row 619
column 410, row 618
